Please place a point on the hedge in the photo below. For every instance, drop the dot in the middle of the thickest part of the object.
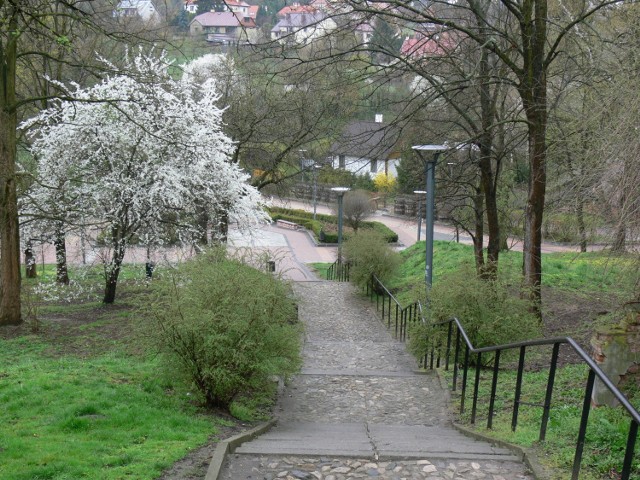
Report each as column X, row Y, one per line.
column 305, row 219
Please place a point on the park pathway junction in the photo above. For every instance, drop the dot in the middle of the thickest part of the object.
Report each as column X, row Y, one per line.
column 359, row 408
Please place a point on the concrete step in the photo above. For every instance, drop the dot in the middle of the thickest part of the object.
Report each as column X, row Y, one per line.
column 374, row 441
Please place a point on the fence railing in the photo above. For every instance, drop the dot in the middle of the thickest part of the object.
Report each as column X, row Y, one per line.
column 458, row 350
column 338, row 271
column 393, row 313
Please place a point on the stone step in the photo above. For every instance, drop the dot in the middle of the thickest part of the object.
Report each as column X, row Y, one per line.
column 373, row 441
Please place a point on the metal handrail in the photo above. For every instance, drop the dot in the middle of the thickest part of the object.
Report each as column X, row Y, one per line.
column 402, row 315
column 339, row 271
column 434, row 348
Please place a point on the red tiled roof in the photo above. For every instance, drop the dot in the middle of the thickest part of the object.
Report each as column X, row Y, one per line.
column 295, row 8
column 429, row 45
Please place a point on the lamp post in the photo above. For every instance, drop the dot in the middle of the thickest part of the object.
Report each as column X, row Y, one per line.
column 419, row 192
column 302, row 162
column 340, row 191
column 429, row 170
column 316, row 167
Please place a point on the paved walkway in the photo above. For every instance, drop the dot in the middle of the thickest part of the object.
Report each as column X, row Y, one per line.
column 359, row 409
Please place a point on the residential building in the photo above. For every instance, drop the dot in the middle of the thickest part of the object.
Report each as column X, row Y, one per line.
column 191, row 6
column 302, row 28
column 224, row 27
column 367, row 147
column 143, row 9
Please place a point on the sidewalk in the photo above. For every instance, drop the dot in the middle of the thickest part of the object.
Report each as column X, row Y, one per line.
column 359, row 408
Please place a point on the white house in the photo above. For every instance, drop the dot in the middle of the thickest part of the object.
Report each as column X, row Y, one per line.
column 367, row 148
column 143, row 9
column 302, row 28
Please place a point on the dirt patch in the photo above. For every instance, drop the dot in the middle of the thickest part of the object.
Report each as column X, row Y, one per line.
column 194, row 466
column 569, row 314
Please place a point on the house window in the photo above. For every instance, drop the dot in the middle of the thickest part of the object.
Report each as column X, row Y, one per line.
column 341, row 161
column 374, row 166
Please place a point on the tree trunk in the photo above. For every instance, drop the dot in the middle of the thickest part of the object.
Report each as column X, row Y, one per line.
column 478, row 238
column 30, row 261
column 619, row 242
column 10, row 313
column 532, row 249
column 202, row 220
column 112, row 269
column 221, row 230
column 582, row 229
column 533, row 91
column 62, row 273
column 487, row 174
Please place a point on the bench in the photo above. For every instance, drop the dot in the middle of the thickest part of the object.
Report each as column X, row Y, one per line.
column 287, row 224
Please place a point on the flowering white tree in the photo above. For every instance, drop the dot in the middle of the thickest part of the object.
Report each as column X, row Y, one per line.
column 141, row 151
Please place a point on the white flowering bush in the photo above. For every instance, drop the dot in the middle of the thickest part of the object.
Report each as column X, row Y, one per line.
column 140, row 154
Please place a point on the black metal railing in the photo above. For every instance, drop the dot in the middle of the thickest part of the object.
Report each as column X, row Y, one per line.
column 393, row 314
column 339, row 271
column 458, row 350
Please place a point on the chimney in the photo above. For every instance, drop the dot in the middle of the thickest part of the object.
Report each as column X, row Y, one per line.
column 378, row 118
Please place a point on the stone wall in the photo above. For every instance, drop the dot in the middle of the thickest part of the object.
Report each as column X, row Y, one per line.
column 616, row 350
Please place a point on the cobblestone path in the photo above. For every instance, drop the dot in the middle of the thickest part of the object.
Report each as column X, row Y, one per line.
column 359, row 408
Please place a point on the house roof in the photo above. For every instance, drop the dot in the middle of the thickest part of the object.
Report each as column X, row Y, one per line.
column 296, row 8
column 430, row 45
column 253, row 11
column 374, row 140
column 297, row 21
column 222, row 19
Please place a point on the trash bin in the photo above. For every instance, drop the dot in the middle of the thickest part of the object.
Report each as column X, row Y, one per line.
column 148, row 267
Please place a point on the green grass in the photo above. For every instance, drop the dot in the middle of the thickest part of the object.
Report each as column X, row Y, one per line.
column 585, row 273
column 320, row 269
column 606, row 433
column 106, row 417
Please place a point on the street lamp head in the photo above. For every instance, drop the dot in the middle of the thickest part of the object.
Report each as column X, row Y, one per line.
column 420, row 192
column 430, row 148
column 340, row 190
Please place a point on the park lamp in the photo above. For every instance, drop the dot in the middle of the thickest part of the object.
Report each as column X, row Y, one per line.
column 423, row 152
column 340, row 191
column 419, row 193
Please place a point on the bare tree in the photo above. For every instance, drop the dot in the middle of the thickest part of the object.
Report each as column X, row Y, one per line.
column 357, row 206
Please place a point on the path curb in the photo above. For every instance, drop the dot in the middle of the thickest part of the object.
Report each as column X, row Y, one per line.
column 229, row 445
column 529, row 457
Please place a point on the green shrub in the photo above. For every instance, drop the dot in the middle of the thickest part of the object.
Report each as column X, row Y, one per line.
column 327, row 224
column 491, row 312
column 369, row 254
column 225, row 326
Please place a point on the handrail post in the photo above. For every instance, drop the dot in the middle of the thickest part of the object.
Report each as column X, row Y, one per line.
column 476, row 385
column 494, row 386
column 628, row 455
column 586, row 407
column 547, row 399
column 449, row 334
column 465, row 371
column 516, row 397
column 455, row 360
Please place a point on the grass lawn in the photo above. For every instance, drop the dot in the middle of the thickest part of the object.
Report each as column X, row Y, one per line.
column 82, row 397
column 606, row 432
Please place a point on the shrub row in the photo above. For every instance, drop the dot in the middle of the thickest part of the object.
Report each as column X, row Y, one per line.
column 305, row 219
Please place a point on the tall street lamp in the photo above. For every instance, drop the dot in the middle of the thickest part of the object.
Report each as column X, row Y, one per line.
column 419, row 192
column 316, row 167
column 429, row 170
column 340, row 191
